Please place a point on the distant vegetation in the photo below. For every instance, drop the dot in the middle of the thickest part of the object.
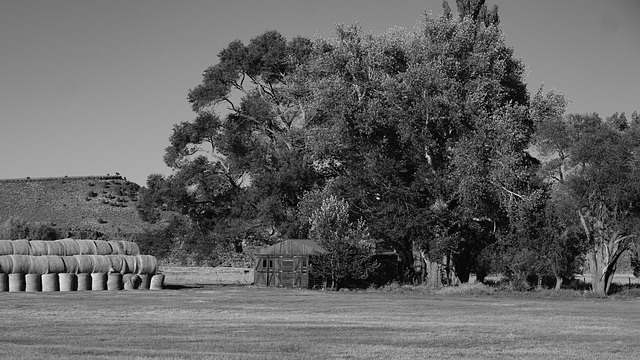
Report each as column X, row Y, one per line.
column 90, row 207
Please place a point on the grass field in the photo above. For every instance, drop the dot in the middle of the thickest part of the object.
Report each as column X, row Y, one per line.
column 224, row 322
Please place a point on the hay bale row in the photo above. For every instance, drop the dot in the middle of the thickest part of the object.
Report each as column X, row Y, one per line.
column 79, row 282
column 5, row 247
column 68, row 247
column 54, row 264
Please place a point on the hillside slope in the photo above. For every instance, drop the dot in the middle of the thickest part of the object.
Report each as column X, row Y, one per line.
column 100, row 203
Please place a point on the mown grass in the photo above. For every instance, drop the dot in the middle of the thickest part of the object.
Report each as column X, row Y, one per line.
column 262, row 323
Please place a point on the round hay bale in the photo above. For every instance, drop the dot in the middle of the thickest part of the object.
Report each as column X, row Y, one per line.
column 101, row 264
column 98, row 281
column 116, row 247
column 55, row 248
column 33, row 282
column 117, row 264
column 87, row 247
column 16, row 282
column 69, row 246
column 83, row 281
column 38, row 248
column 4, row 282
column 6, row 264
column 50, row 282
column 70, row 264
column 114, row 282
column 129, row 248
column 144, row 281
column 20, row 247
column 56, row 264
column 67, row 282
column 21, row 264
column 147, row 264
column 38, row 265
column 130, row 281
column 102, row 247
column 85, row 263
column 157, row 281
column 5, row 247
column 131, row 264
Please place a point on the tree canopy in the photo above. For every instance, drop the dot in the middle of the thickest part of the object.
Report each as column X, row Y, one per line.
column 425, row 134
column 594, row 171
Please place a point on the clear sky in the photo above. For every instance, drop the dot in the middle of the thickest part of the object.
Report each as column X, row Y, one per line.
column 90, row 87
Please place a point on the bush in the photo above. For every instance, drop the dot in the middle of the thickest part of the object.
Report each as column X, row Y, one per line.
column 467, row 289
column 44, row 231
column 17, row 228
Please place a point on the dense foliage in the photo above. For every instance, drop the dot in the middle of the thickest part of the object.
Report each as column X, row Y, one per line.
column 416, row 141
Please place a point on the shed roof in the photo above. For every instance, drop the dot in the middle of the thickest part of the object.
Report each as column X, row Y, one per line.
column 294, row 247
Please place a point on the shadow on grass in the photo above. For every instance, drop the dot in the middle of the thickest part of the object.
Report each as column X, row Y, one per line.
column 198, row 286
column 182, row 287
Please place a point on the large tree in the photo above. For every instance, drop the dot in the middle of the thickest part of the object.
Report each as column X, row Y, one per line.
column 423, row 132
column 595, row 168
column 239, row 164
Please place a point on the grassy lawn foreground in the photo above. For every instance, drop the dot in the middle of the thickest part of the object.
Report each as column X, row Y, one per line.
column 260, row 323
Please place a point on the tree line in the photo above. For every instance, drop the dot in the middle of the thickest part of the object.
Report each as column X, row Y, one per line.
column 417, row 141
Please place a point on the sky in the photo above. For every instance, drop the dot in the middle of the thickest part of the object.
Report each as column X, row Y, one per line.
column 94, row 87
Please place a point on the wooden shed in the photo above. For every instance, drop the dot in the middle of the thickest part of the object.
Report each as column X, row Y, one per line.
column 286, row 264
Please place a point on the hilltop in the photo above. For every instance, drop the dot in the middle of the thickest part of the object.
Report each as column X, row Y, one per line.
column 95, row 203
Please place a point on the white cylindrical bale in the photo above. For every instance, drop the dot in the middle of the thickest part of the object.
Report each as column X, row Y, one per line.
column 5, row 247
column 157, row 282
column 98, row 281
column 20, row 247
column 130, row 281
column 55, row 248
column 38, row 265
column 68, row 281
column 16, row 282
column 6, row 264
column 102, row 247
column 85, row 263
column 114, row 282
column 70, row 247
column 21, row 264
column 38, row 248
column 83, row 281
column 33, row 282
column 87, row 247
column 50, row 282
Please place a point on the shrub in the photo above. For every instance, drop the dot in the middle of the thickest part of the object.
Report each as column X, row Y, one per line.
column 14, row 228
column 17, row 228
column 467, row 289
column 44, row 231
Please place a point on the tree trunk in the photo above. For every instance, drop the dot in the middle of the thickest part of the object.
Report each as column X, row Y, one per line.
column 434, row 276
column 604, row 254
column 558, row 282
column 596, row 268
column 419, row 272
column 602, row 272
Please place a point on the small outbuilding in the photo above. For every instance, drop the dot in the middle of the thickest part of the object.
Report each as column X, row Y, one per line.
column 286, row 264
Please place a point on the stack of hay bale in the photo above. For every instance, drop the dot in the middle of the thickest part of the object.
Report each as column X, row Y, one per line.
column 76, row 265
